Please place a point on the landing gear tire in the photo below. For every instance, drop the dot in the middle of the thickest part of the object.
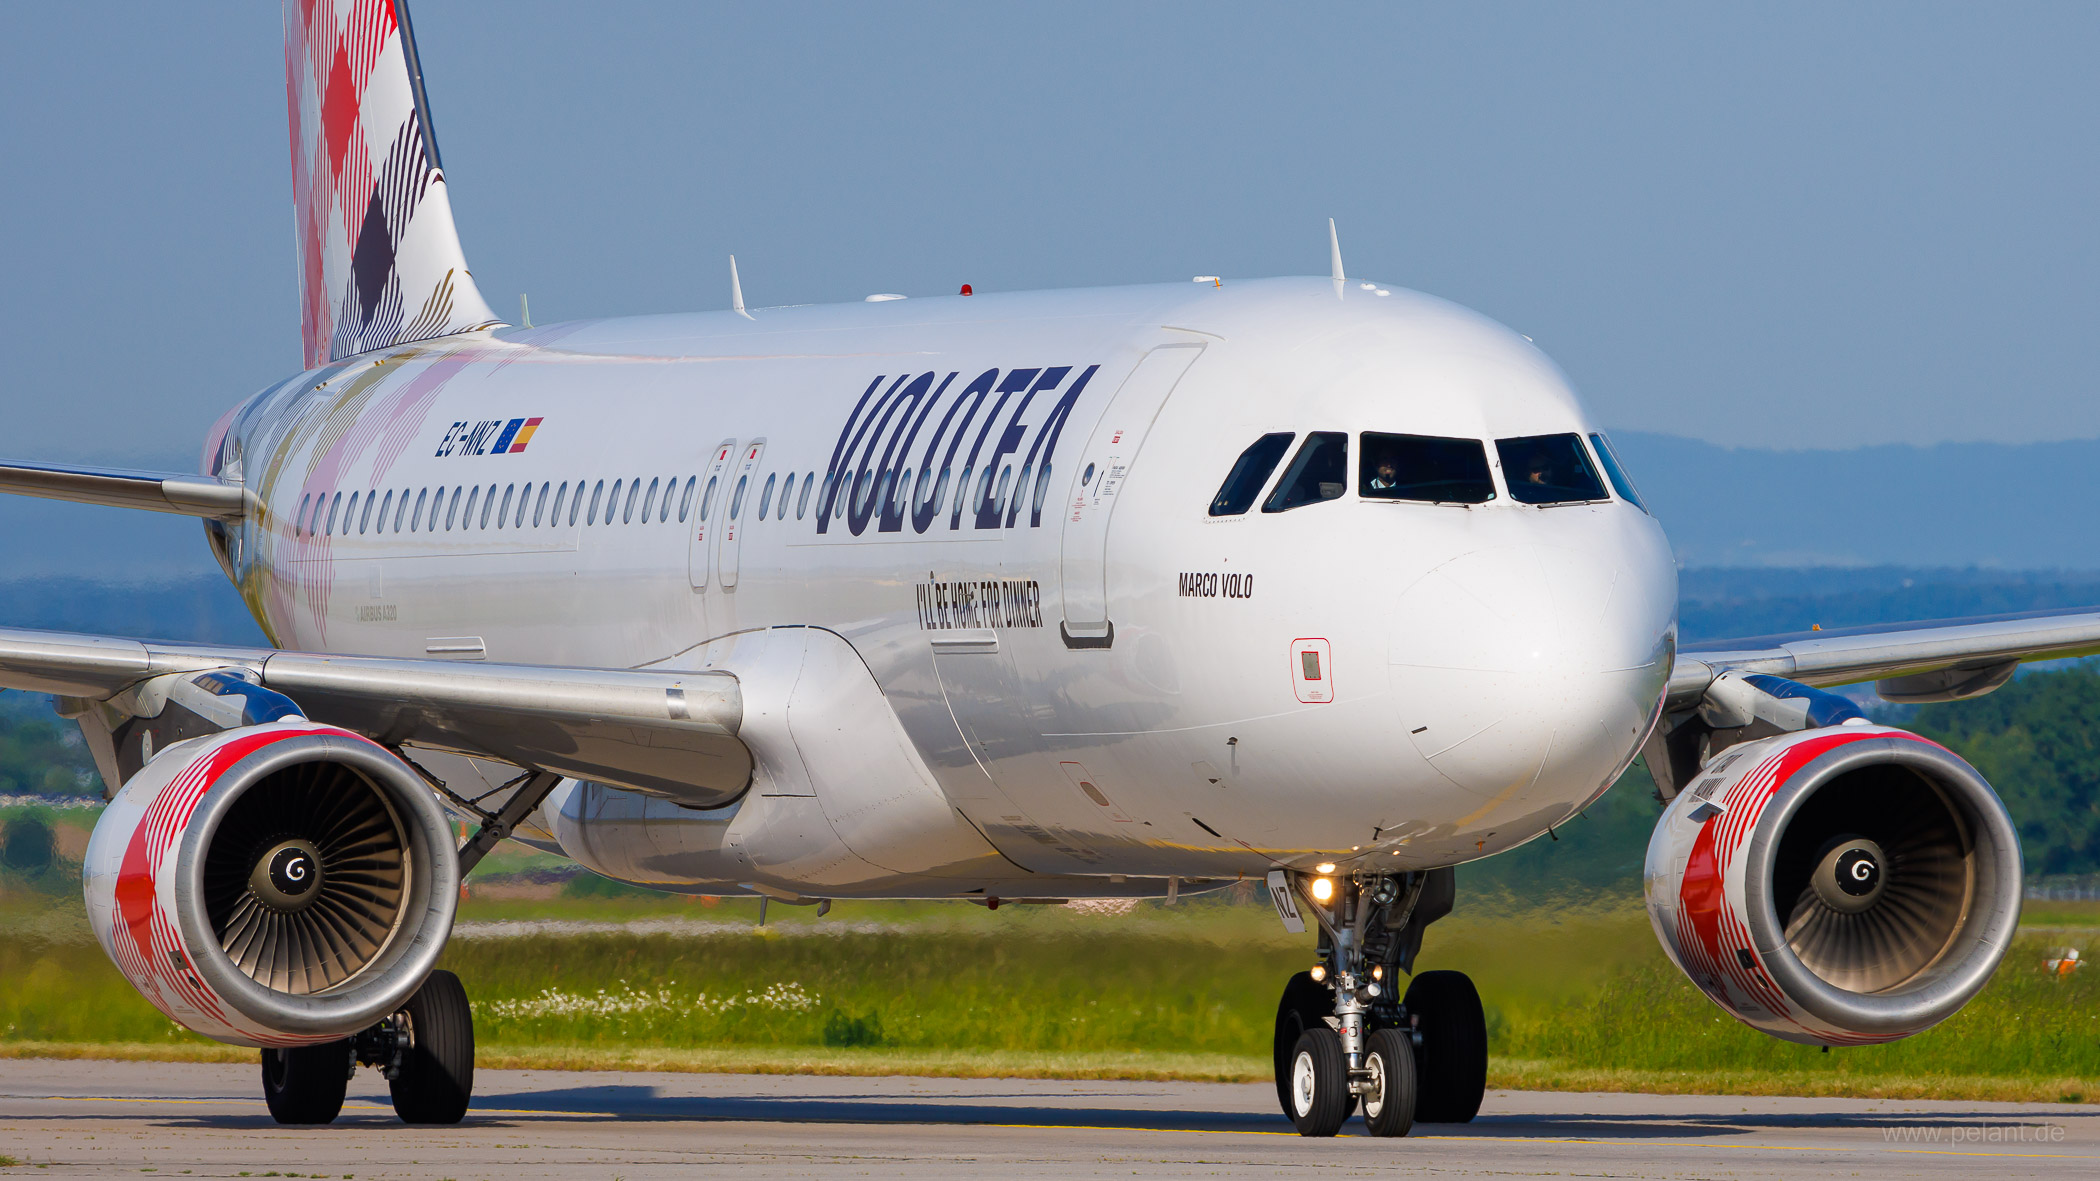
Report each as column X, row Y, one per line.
column 1320, row 1096
column 305, row 1085
column 1389, row 1106
column 436, row 1076
column 1451, row 1061
column 1305, row 1005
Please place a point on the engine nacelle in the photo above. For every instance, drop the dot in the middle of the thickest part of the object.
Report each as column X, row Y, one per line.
column 1838, row 886
column 273, row 885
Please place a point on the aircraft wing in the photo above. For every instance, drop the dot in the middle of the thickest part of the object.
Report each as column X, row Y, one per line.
column 1939, row 660
column 666, row 733
column 161, row 492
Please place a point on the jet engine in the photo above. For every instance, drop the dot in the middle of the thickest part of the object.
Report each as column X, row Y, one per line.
column 273, row 885
column 1842, row 885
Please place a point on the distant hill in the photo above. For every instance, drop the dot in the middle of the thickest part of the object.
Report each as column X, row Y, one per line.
column 204, row 610
column 2026, row 506
column 1718, row 603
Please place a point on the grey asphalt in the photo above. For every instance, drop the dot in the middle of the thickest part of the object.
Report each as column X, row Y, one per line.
column 100, row 1119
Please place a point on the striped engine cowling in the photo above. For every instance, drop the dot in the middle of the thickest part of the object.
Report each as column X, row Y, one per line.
column 1839, row 886
column 276, row 885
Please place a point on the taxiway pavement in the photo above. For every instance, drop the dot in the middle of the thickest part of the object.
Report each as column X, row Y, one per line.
column 103, row 1119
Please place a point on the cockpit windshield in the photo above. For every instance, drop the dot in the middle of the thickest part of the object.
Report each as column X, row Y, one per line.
column 1320, row 471
column 1424, row 467
column 1244, row 483
column 1615, row 470
column 1549, row 469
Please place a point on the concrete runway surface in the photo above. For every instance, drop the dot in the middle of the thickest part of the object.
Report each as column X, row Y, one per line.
column 100, row 1119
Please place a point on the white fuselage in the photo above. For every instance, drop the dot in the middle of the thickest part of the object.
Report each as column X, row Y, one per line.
column 1100, row 677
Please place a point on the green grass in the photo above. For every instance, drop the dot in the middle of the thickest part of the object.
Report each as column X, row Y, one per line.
column 1578, row 996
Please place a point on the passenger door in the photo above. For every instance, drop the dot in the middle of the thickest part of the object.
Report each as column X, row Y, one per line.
column 1098, row 476
column 743, row 494
column 705, row 523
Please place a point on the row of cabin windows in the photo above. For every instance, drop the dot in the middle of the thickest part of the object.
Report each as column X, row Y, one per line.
column 544, row 505
column 540, row 505
column 1539, row 470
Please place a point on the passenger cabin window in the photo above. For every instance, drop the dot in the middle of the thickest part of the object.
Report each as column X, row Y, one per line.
column 1424, row 468
column 1243, row 484
column 1042, row 488
column 1615, row 471
column 1548, row 469
column 1320, row 471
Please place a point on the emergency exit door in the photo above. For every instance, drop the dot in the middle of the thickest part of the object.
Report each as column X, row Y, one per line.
column 741, row 501
column 706, row 520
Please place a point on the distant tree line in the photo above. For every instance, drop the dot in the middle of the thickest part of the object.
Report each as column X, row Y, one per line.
column 40, row 753
column 2038, row 741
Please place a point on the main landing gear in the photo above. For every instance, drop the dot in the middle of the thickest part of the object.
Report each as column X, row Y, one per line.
column 1344, row 1040
column 425, row 1050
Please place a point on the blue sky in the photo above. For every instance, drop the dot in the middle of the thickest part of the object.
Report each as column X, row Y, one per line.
column 1787, row 225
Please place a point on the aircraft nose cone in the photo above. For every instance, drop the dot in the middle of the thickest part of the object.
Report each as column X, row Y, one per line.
column 1526, row 673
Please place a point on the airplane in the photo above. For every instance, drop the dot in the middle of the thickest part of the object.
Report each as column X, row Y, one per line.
column 1002, row 597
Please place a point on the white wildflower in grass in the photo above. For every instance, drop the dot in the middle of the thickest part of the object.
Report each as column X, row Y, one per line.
column 1102, row 906
column 663, row 1002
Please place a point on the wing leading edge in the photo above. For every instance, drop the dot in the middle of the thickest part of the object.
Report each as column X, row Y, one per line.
column 1937, row 660
column 160, row 492
column 664, row 733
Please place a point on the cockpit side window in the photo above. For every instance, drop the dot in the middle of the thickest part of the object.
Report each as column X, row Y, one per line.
column 1244, row 483
column 1615, row 471
column 1424, row 467
column 1320, row 471
column 1549, row 469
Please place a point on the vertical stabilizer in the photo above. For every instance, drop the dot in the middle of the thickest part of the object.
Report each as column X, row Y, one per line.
column 379, row 260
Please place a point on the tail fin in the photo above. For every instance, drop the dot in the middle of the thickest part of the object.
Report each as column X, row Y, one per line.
column 379, row 259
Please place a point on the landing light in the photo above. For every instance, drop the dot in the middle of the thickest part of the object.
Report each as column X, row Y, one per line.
column 1377, row 971
column 1319, row 973
column 1322, row 889
column 1324, row 867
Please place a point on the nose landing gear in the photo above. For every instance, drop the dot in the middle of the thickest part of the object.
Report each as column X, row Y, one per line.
column 1344, row 1038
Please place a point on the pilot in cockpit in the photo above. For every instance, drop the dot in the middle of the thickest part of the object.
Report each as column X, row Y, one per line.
column 1387, row 477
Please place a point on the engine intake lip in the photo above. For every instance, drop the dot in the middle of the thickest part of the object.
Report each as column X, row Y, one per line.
column 426, row 911
column 1979, row 939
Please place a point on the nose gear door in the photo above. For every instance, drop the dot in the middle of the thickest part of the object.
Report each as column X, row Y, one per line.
column 705, row 522
column 742, row 495
column 1096, row 478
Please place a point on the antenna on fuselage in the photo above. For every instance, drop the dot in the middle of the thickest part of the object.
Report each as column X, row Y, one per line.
column 1334, row 249
column 736, row 291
